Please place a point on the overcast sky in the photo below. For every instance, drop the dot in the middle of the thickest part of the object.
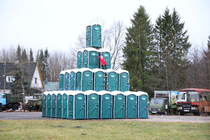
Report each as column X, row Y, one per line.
column 56, row 24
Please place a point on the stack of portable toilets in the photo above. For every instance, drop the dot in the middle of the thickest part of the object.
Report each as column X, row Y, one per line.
column 90, row 92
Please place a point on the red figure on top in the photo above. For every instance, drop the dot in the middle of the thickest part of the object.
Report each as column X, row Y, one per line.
column 102, row 61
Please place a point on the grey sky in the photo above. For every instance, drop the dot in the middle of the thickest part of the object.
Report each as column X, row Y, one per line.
column 56, row 24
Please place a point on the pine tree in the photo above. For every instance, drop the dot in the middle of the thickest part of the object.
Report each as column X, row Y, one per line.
column 31, row 56
column 138, row 51
column 24, row 56
column 18, row 54
column 171, row 49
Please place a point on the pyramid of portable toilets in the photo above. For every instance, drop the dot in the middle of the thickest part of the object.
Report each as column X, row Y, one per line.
column 89, row 92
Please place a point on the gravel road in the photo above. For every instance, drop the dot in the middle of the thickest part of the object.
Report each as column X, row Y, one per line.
column 152, row 118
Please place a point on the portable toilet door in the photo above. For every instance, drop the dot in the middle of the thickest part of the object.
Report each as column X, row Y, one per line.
column 93, row 59
column 67, row 80
column 79, row 59
column 106, row 55
column 99, row 80
column 59, row 105
column 70, row 104
column 49, row 104
column 53, row 105
column 123, row 80
column 64, row 106
column 96, row 36
column 105, row 105
column 88, row 36
column 119, row 105
column 92, row 104
column 79, row 106
column 143, row 106
column 72, row 80
column 61, row 80
column 85, row 59
column 78, row 81
column 112, row 80
column 44, row 104
column 87, row 80
column 131, row 105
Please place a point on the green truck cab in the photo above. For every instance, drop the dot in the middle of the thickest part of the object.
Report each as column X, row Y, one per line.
column 159, row 106
column 35, row 104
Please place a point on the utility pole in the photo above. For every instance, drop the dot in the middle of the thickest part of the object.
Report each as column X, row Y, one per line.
column 4, row 75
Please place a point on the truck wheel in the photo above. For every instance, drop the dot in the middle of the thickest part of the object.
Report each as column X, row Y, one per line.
column 14, row 107
column 0, row 107
column 202, row 112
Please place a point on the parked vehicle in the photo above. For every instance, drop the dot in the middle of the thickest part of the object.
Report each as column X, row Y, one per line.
column 8, row 101
column 194, row 100
column 164, row 102
column 35, row 104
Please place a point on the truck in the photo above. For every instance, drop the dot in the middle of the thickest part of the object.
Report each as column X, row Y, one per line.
column 8, row 101
column 164, row 102
column 35, row 104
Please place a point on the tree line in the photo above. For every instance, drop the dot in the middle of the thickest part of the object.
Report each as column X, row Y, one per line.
column 156, row 56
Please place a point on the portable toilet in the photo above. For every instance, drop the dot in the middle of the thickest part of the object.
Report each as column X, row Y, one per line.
column 70, row 103
column 79, row 110
column 96, row 36
column 54, row 96
column 118, row 105
column 79, row 59
column 67, row 80
column 99, row 79
column 49, row 104
column 131, row 104
column 75, row 79
column 87, row 80
column 107, row 56
column 64, row 105
column 142, row 104
column 59, row 105
column 92, row 104
column 61, row 80
column 44, row 104
column 88, row 36
column 90, row 58
column 112, row 82
column 123, row 79
column 105, row 101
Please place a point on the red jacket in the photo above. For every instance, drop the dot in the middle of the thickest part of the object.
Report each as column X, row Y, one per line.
column 102, row 61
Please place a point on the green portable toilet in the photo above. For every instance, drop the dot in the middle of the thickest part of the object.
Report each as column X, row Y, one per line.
column 67, row 80
column 79, row 59
column 106, row 100
column 64, row 105
column 44, row 104
column 59, row 105
column 54, row 95
column 142, row 104
column 78, row 79
column 70, row 103
column 131, row 104
column 123, row 77
column 93, row 60
column 49, row 104
column 88, row 36
column 73, row 79
column 112, row 83
column 96, row 36
column 61, row 80
column 79, row 105
column 85, row 59
column 99, row 79
column 107, row 56
column 87, row 80
column 118, row 105
column 92, row 104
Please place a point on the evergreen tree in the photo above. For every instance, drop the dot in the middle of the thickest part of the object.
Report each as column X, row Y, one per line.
column 171, row 49
column 24, row 56
column 138, row 51
column 31, row 56
column 18, row 54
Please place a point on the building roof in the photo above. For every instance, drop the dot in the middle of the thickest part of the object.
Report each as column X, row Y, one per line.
column 29, row 67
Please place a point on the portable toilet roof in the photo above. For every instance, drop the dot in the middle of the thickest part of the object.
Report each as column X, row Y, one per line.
column 63, row 72
column 88, row 92
column 110, row 70
column 97, row 69
column 117, row 92
column 121, row 71
column 126, row 93
column 103, row 50
column 81, row 50
column 138, row 93
column 91, row 49
column 102, row 92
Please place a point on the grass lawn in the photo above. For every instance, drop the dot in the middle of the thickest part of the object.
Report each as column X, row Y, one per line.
column 101, row 129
